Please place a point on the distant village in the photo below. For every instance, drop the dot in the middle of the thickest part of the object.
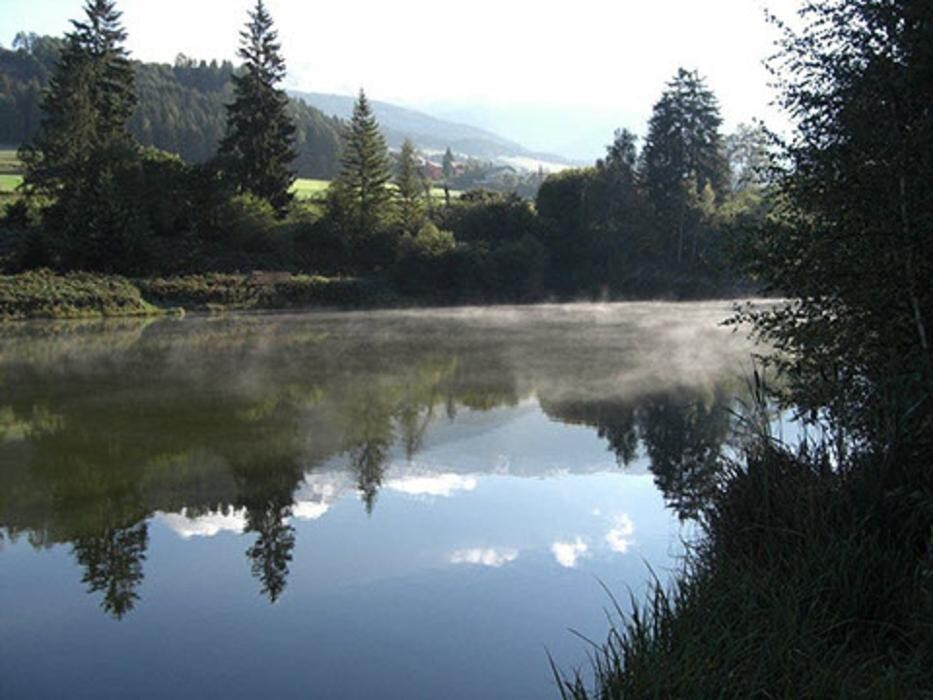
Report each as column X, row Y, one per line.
column 467, row 173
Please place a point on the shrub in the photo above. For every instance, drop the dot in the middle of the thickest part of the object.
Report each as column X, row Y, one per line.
column 245, row 222
column 423, row 264
column 490, row 217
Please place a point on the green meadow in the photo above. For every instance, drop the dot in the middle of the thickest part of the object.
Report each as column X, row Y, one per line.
column 304, row 188
column 315, row 189
column 9, row 162
column 310, row 189
column 10, row 173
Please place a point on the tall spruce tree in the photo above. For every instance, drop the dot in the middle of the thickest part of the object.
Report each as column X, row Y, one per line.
column 89, row 100
column 683, row 156
column 83, row 157
column 447, row 164
column 259, row 145
column 361, row 189
column 410, row 190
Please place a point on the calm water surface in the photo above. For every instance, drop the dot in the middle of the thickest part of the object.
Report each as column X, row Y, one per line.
column 393, row 505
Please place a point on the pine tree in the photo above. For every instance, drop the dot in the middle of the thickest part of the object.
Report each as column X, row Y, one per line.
column 683, row 154
column 622, row 154
column 448, row 164
column 409, row 189
column 361, row 189
column 622, row 201
column 86, row 107
column 102, row 36
column 259, row 145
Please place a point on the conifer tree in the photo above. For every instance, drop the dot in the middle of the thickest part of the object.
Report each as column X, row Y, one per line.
column 361, row 188
column 447, row 164
column 259, row 145
column 114, row 88
column 87, row 105
column 683, row 154
column 409, row 189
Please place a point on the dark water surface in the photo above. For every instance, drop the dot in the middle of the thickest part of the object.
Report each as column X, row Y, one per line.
column 392, row 505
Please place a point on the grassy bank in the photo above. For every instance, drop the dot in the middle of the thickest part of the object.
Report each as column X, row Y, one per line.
column 810, row 583
column 43, row 294
column 263, row 291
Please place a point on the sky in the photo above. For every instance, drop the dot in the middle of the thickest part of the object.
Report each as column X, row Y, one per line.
column 554, row 75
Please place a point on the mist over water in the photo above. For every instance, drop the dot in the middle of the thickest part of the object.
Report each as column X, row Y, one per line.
column 414, row 503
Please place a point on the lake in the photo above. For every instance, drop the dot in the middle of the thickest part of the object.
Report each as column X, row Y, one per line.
column 346, row 505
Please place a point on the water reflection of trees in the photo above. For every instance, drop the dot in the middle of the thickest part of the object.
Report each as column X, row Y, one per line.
column 113, row 565
column 682, row 433
column 230, row 416
column 265, row 493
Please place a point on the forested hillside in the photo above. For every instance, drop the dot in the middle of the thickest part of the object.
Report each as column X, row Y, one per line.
column 182, row 107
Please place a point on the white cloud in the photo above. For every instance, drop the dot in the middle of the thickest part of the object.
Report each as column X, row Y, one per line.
column 310, row 510
column 204, row 525
column 440, row 485
column 619, row 537
column 484, row 557
column 319, row 492
column 567, row 553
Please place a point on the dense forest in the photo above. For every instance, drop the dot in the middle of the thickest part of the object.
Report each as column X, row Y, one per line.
column 105, row 192
column 181, row 108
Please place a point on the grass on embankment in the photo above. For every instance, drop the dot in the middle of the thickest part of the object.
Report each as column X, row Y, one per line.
column 262, row 291
column 810, row 584
column 42, row 294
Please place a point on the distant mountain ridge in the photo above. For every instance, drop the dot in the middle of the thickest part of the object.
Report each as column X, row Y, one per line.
column 182, row 109
column 428, row 132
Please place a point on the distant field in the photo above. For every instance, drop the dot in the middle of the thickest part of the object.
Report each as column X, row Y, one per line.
column 9, row 174
column 310, row 189
column 9, row 163
column 304, row 188
column 8, row 183
column 313, row 189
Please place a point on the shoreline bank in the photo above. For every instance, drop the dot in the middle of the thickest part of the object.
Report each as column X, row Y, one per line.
column 43, row 294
